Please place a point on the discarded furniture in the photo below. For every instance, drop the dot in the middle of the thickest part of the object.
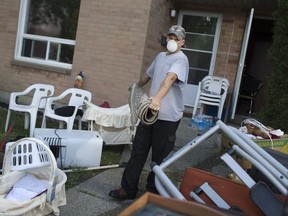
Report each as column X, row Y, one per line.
column 212, row 90
column 68, row 112
column 31, row 156
column 259, row 193
column 113, row 124
column 39, row 93
column 152, row 204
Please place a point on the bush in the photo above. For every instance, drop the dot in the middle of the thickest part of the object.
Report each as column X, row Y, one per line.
column 275, row 112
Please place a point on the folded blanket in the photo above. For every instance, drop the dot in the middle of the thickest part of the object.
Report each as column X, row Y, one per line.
column 139, row 105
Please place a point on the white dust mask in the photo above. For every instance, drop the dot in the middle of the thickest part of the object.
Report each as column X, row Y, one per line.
column 172, row 46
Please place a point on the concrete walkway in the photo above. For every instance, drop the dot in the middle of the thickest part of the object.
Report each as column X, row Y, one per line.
column 90, row 198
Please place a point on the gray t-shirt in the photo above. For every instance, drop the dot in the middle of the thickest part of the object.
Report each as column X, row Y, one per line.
column 172, row 105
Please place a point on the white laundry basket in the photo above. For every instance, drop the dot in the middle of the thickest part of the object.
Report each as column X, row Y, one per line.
column 31, row 155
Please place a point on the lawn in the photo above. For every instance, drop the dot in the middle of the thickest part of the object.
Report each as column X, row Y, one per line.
column 110, row 154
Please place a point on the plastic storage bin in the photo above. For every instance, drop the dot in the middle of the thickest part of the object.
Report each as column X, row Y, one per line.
column 47, row 202
column 27, row 155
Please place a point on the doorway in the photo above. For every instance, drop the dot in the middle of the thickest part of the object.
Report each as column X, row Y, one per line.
column 257, row 65
column 201, row 42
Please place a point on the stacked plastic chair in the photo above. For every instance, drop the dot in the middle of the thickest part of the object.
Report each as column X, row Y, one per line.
column 212, row 90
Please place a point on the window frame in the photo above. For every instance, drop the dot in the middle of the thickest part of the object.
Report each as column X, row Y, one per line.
column 191, row 89
column 216, row 36
column 23, row 16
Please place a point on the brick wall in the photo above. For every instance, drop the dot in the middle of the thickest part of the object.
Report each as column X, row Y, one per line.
column 115, row 43
column 109, row 49
column 229, row 46
column 159, row 23
column 110, row 46
column 17, row 78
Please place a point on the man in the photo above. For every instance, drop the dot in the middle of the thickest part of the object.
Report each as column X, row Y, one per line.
column 168, row 73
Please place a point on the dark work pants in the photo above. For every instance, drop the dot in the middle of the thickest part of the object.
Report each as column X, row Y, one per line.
column 161, row 138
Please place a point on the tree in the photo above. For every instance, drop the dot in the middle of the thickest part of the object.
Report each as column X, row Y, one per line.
column 275, row 112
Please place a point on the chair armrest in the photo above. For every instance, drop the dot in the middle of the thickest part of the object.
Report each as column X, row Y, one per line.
column 51, row 99
column 81, row 106
column 14, row 95
column 49, row 103
column 41, row 99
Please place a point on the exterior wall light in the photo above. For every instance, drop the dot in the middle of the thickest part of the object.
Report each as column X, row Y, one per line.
column 173, row 12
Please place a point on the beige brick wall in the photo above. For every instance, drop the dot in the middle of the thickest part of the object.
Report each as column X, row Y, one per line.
column 110, row 46
column 159, row 23
column 115, row 42
column 109, row 49
column 229, row 46
column 16, row 78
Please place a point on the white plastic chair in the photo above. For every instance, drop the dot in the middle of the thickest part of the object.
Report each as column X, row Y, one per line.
column 212, row 90
column 77, row 97
column 40, row 93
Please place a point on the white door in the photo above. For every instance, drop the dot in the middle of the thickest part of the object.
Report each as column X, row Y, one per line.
column 241, row 63
column 202, row 36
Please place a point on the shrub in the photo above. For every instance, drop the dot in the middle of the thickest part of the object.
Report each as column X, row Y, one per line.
column 275, row 112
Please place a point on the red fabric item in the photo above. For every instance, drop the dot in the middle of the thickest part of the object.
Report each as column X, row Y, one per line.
column 105, row 104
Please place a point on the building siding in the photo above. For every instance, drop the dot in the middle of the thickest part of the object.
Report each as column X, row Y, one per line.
column 115, row 42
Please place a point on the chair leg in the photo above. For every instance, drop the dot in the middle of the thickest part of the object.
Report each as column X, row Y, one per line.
column 219, row 115
column 201, row 109
column 251, row 107
column 43, row 125
column 79, row 124
column 32, row 124
column 61, row 125
column 7, row 119
column 195, row 109
column 220, row 110
column 70, row 125
column 27, row 120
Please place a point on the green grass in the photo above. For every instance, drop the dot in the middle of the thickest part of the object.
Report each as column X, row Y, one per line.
column 110, row 154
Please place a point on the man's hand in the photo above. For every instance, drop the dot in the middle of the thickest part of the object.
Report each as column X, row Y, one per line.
column 155, row 103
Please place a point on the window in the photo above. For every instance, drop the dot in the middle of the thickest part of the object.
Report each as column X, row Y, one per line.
column 47, row 32
column 202, row 36
column 201, row 43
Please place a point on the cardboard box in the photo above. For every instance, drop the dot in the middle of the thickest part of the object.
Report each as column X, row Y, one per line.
column 151, row 204
column 278, row 145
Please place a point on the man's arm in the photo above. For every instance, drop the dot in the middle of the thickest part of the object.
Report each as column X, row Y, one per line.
column 144, row 79
column 164, row 88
